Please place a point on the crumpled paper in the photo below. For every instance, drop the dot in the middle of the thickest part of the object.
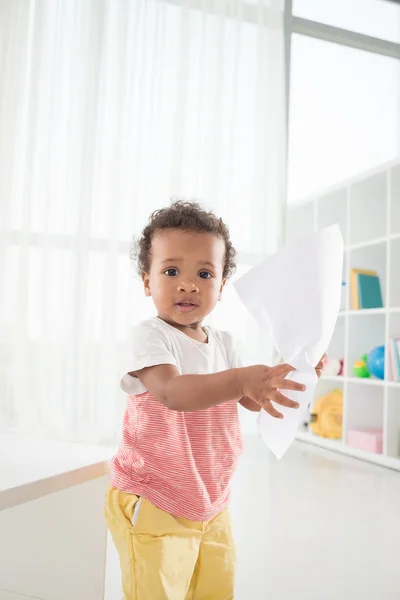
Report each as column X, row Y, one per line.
column 295, row 296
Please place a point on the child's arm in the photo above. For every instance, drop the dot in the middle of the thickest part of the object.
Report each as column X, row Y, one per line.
column 198, row 392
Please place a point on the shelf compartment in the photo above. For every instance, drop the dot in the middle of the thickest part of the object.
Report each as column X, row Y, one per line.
column 327, row 384
column 365, row 333
column 364, row 407
column 336, row 346
column 370, row 258
column 368, row 203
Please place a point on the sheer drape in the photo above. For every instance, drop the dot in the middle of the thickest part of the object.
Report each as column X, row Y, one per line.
column 107, row 110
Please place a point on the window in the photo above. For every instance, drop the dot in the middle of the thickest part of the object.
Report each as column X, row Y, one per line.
column 344, row 114
column 377, row 18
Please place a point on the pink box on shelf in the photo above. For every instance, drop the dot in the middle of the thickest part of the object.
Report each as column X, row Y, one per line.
column 369, row 440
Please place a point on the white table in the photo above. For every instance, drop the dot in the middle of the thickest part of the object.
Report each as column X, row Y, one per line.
column 52, row 532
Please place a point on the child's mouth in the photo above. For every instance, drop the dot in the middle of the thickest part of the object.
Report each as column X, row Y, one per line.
column 185, row 307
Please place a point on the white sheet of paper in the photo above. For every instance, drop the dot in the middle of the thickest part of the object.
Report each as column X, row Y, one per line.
column 295, row 295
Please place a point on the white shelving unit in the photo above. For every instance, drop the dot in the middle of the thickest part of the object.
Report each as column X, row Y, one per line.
column 367, row 209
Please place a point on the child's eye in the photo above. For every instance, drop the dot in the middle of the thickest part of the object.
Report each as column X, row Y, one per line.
column 171, row 272
column 205, row 275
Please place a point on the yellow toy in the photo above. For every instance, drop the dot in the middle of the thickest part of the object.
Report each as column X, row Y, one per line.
column 327, row 415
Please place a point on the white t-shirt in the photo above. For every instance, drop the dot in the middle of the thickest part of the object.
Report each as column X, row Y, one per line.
column 155, row 342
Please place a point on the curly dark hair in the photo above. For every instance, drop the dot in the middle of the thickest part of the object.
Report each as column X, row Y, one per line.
column 186, row 216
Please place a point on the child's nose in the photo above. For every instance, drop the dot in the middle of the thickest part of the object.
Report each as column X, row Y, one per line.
column 187, row 287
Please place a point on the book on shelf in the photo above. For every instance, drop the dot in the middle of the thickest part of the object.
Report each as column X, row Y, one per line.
column 365, row 289
column 355, row 304
column 394, row 359
column 369, row 291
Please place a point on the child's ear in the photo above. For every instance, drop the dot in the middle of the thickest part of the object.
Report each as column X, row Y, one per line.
column 221, row 289
column 146, row 283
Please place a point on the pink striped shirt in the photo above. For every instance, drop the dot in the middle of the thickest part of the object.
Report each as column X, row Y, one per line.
column 182, row 462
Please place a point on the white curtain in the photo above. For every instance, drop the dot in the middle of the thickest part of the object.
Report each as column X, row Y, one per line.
column 108, row 109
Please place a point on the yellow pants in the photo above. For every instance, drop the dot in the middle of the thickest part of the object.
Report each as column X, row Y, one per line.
column 168, row 558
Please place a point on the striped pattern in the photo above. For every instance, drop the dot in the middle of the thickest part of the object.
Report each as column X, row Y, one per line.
column 182, row 462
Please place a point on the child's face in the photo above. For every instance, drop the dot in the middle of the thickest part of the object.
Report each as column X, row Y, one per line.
column 186, row 275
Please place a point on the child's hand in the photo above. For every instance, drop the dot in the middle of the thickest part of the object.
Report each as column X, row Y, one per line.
column 263, row 384
column 320, row 366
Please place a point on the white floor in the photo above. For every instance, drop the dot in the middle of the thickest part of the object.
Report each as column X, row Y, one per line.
column 315, row 526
